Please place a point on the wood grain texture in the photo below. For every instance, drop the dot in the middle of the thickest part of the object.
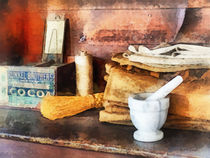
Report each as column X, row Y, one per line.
column 106, row 26
column 114, row 4
column 172, row 122
column 198, row 4
column 20, row 149
column 187, row 123
column 99, row 31
column 195, row 27
column 84, row 131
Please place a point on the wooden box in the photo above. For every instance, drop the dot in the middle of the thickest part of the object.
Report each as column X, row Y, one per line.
column 24, row 86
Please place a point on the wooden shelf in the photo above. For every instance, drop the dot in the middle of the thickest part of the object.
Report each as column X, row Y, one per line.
column 84, row 131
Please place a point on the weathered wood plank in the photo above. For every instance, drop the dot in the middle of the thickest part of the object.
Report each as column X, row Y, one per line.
column 115, row 4
column 141, row 27
column 107, row 30
column 198, row 4
column 186, row 123
column 69, row 5
column 103, row 37
column 84, row 131
column 173, row 121
column 195, row 28
column 66, row 5
column 20, row 149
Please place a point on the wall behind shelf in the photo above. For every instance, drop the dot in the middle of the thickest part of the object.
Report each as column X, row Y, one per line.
column 108, row 26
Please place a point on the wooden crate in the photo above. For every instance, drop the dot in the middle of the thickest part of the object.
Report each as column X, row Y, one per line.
column 25, row 86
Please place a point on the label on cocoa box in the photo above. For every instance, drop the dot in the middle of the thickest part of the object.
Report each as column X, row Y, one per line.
column 26, row 86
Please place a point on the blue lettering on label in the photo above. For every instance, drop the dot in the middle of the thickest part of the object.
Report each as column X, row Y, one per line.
column 27, row 92
column 30, row 76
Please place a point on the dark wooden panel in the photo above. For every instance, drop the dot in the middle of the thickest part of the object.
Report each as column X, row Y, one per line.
column 12, row 22
column 18, row 149
column 195, row 27
column 115, row 4
column 84, row 131
column 101, row 28
column 109, row 26
column 65, row 5
column 198, row 3
column 21, row 32
column 112, row 31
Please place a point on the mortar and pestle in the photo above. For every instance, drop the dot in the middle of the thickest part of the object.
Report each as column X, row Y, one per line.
column 148, row 111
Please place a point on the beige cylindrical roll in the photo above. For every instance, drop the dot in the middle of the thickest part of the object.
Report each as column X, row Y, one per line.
column 84, row 74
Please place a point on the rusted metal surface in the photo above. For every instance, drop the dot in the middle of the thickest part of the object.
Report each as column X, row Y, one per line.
column 84, row 131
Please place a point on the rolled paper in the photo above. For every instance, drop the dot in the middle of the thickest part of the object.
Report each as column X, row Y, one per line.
column 84, row 74
column 166, row 89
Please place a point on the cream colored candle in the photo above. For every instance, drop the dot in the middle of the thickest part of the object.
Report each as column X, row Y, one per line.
column 84, row 74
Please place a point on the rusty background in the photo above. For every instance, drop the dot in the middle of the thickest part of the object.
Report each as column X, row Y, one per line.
column 100, row 27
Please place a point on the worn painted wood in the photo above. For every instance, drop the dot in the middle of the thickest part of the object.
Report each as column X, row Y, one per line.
column 187, row 123
column 84, row 131
column 103, row 37
column 172, row 122
column 148, row 23
column 20, row 149
column 198, row 4
column 114, row 4
column 195, row 27
column 65, row 5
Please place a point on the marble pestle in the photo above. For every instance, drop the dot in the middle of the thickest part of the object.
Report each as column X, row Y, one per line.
column 166, row 89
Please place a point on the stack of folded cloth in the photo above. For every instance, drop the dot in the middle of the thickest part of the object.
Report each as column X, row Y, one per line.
column 121, row 82
column 188, row 103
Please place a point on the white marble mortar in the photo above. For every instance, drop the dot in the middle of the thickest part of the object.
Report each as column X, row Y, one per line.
column 148, row 116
